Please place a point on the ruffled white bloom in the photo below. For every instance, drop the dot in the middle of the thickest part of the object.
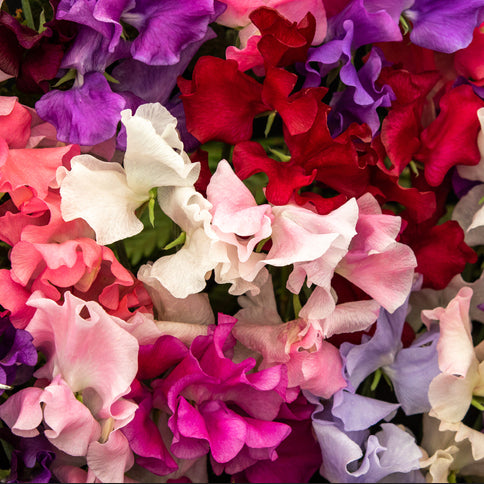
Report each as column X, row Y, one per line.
column 106, row 195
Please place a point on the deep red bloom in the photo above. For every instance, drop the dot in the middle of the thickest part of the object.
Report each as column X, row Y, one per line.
column 469, row 62
column 31, row 57
column 440, row 251
column 452, row 138
column 401, row 128
column 283, row 42
column 250, row 157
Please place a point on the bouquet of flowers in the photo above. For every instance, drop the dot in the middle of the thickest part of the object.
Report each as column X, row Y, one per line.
column 241, row 240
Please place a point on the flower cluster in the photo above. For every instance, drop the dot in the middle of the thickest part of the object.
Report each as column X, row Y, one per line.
column 241, row 239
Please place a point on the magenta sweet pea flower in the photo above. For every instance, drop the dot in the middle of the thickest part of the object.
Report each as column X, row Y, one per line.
column 222, row 407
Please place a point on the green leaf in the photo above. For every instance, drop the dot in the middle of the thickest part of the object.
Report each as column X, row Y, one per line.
column 148, row 244
column 110, row 78
column 42, row 21
column 376, row 379
column 280, row 155
column 405, row 25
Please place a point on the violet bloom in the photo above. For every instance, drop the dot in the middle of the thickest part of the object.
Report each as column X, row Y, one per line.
column 351, row 453
column 222, row 407
column 360, row 23
column 444, row 25
column 168, row 35
column 18, row 355
column 360, row 100
column 31, row 458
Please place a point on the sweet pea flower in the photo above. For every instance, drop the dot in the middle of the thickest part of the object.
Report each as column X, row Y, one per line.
column 445, row 455
column 312, row 363
column 82, row 345
column 462, row 370
column 106, row 195
column 208, row 393
column 351, row 453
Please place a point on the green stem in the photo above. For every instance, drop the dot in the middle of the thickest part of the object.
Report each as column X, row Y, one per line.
column 28, row 14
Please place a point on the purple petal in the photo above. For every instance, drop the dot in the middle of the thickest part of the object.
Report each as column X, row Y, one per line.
column 166, row 28
column 444, row 25
column 413, row 370
column 380, row 350
column 358, row 412
column 86, row 115
column 90, row 52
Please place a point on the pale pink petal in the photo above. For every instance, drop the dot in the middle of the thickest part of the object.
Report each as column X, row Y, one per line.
column 86, row 346
column 235, row 212
column 350, row 317
column 375, row 262
column 109, row 461
column 450, row 396
column 260, row 308
column 385, row 276
column 455, row 347
column 71, row 426
column 299, row 235
column 22, row 412
column 194, row 309
column 320, row 372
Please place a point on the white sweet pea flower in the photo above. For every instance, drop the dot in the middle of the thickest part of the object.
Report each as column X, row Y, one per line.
column 106, row 195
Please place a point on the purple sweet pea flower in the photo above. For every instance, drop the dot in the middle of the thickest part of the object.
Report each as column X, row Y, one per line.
column 31, row 458
column 359, row 102
column 351, row 453
column 18, row 355
column 444, row 25
column 90, row 52
column 165, row 28
column 360, row 23
column 77, row 113
column 221, row 406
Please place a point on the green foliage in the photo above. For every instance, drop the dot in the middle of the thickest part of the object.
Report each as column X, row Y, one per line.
column 148, row 244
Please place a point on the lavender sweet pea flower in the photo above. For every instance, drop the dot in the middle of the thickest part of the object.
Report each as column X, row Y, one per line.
column 18, row 355
column 410, row 369
column 444, row 25
column 351, row 454
column 76, row 113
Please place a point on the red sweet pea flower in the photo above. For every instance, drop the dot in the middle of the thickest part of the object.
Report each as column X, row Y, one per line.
column 220, row 102
column 283, row 42
column 441, row 252
column 401, row 128
column 31, row 57
column 468, row 62
column 452, row 138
